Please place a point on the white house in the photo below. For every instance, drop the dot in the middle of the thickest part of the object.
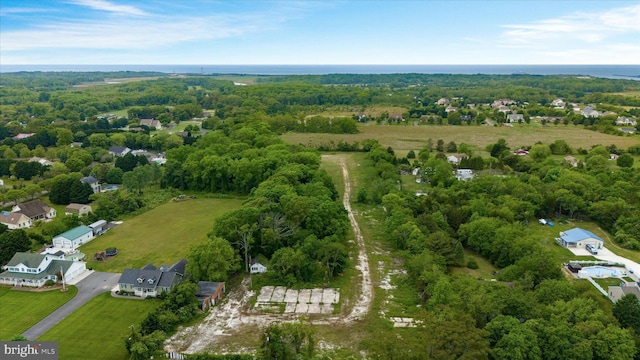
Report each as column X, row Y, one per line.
column 580, row 238
column 515, row 118
column 622, row 120
column 26, row 269
column 464, row 174
column 456, row 158
column 152, row 123
column 257, row 267
column 93, row 182
column 74, row 237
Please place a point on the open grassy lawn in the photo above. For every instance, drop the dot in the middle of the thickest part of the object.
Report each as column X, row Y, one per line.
column 403, row 138
column 159, row 236
column 97, row 330
column 20, row 310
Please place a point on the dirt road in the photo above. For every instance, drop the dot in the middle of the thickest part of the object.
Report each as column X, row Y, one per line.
column 363, row 304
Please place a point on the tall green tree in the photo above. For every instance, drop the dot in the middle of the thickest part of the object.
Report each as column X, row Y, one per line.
column 212, row 260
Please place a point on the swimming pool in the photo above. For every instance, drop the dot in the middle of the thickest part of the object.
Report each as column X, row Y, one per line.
column 603, row 272
column 110, row 187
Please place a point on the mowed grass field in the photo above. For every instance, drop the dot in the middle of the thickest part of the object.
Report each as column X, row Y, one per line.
column 159, row 236
column 403, row 138
column 97, row 330
column 20, row 310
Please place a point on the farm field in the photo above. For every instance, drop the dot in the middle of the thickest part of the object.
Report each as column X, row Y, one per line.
column 348, row 111
column 20, row 310
column 403, row 138
column 97, row 330
column 160, row 236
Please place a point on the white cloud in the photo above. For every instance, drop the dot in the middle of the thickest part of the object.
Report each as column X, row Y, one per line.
column 104, row 5
column 22, row 10
column 121, row 34
column 609, row 37
column 581, row 26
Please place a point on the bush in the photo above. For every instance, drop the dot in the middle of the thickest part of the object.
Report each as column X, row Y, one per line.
column 472, row 264
column 49, row 282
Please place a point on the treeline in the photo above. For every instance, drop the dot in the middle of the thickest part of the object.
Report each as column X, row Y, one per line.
column 292, row 216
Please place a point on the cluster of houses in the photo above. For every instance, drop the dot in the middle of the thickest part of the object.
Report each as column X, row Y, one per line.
column 154, row 158
column 23, row 215
column 59, row 262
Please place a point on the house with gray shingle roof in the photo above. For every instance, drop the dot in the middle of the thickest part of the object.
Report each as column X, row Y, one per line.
column 93, row 182
column 152, row 281
column 27, row 269
column 35, row 210
column 73, row 238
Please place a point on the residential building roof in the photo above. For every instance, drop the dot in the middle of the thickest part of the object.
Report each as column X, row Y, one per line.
column 117, row 149
column 75, row 206
column 140, row 278
column 163, row 276
column 33, row 208
column 578, row 234
column 179, row 267
column 88, row 180
column 208, row 288
column 10, row 218
column 28, row 259
column 76, row 232
column 54, row 267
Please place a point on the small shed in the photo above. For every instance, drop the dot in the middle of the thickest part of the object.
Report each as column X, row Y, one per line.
column 98, row 227
column 574, row 267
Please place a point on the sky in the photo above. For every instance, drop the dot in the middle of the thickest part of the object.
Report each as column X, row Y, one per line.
column 417, row 32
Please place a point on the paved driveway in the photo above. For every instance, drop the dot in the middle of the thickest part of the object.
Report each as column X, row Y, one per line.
column 606, row 254
column 88, row 288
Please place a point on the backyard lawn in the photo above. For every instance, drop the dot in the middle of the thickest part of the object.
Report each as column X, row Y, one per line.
column 20, row 310
column 97, row 330
column 159, row 236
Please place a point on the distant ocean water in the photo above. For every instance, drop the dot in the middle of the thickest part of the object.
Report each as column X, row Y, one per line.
column 607, row 71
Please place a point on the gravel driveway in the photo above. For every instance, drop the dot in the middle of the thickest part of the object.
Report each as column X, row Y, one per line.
column 88, row 288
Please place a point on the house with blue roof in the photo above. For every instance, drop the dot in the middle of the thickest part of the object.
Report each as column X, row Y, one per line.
column 73, row 238
column 580, row 238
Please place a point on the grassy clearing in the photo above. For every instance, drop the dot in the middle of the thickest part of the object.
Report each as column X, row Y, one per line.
column 97, row 330
column 177, row 128
column 348, row 111
column 485, row 269
column 404, row 138
column 606, row 282
column 20, row 310
column 244, row 79
column 159, row 236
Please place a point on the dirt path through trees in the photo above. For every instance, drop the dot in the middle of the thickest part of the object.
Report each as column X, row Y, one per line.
column 235, row 316
column 363, row 304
